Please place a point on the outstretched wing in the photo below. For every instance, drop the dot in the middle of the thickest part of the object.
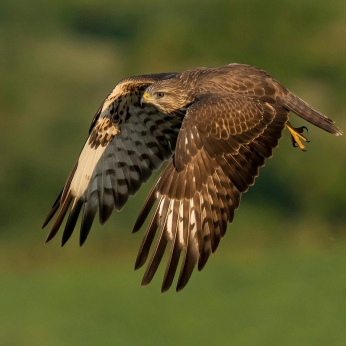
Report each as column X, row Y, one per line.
column 126, row 144
column 223, row 141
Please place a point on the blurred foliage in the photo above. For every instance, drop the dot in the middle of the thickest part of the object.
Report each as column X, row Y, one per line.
column 280, row 267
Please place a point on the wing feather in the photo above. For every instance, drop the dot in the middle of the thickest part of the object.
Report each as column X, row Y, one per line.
column 149, row 237
column 160, row 245
column 176, row 247
column 126, row 144
column 215, row 162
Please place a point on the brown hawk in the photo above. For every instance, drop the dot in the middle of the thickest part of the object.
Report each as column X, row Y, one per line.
column 216, row 126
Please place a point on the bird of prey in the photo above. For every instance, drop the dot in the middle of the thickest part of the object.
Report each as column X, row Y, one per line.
column 216, row 126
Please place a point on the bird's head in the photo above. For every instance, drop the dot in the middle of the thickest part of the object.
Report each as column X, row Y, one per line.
column 167, row 96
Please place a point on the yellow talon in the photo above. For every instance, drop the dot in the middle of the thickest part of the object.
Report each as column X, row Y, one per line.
column 296, row 134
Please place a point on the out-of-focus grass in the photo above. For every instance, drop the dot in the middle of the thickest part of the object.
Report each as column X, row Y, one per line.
column 280, row 297
column 277, row 277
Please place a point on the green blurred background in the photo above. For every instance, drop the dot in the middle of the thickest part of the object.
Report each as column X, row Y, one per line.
column 278, row 277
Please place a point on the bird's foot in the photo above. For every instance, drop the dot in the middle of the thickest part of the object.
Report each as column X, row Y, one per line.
column 296, row 135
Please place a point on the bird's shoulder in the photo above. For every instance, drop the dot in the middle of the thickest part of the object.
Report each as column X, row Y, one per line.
column 125, row 95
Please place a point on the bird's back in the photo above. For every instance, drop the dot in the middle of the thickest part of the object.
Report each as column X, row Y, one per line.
column 254, row 82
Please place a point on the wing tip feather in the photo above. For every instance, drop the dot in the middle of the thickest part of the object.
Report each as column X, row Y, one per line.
column 139, row 262
column 339, row 132
column 52, row 210
column 164, row 289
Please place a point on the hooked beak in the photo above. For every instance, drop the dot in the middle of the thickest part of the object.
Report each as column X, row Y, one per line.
column 145, row 98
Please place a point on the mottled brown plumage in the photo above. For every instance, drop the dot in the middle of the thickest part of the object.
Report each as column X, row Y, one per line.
column 216, row 125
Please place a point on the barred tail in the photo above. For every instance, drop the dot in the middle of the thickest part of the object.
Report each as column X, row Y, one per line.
column 305, row 111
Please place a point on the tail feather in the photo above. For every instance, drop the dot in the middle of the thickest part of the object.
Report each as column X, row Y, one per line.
column 296, row 105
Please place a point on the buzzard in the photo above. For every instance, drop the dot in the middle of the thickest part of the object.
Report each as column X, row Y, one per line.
column 216, row 126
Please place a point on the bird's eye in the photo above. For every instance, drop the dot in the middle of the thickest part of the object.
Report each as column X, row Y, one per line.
column 160, row 94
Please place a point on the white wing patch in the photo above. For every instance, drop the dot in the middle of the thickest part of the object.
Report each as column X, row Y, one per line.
column 87, row 162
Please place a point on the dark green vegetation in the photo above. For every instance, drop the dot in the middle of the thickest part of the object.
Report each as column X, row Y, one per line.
column 278, row 277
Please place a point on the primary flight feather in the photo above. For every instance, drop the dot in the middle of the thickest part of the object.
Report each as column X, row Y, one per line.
column 216, row 126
